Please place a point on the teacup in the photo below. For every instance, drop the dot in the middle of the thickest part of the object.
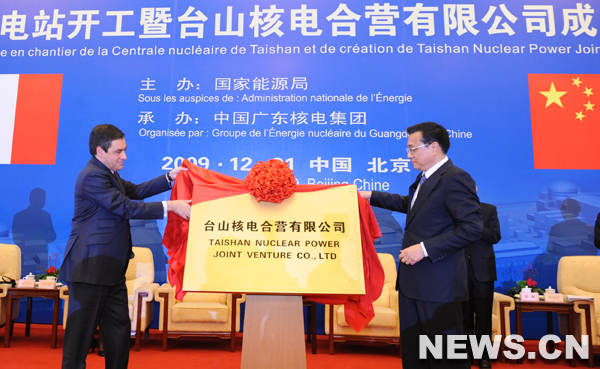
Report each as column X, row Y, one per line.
column 51, row 278
column 29, row 276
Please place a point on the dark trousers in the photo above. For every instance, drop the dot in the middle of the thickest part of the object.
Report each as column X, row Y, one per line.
column 477, row 311
column 429, row 318
column 92, row 305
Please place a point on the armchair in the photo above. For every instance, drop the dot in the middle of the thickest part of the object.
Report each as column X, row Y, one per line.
column 140, row 290
column 10, row 266
column 199, row 314
column 580, row 276
column 502, row 306
column 385, row 326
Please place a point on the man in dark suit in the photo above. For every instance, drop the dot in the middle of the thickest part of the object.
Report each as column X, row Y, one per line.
column 442, row 219
column 99, row 248
column 481, row 269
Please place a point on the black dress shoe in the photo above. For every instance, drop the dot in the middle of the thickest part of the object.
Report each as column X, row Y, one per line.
column 101, row 353
column 484, row 364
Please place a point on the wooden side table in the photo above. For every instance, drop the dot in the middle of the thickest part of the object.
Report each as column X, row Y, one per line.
column 549, row 307
column 587, row 307
column 30, row 293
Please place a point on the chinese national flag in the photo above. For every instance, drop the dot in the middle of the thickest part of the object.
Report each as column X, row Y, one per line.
column 29, row 111
column 565, row 120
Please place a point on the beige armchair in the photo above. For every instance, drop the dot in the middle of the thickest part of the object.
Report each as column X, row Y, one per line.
column 199, row 314
column 501, row 318
column 10, row 266
column 140, row 290
column 385, row 326
column 580, row 276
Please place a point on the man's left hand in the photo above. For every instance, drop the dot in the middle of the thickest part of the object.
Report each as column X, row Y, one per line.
column 411, row 255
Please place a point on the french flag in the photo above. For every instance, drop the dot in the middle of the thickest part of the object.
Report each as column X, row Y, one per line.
column 29, row 111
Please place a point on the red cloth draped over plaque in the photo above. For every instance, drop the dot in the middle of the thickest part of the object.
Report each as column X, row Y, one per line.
column 358, row 308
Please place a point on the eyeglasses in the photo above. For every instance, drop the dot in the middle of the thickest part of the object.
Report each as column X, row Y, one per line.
column 411, row 150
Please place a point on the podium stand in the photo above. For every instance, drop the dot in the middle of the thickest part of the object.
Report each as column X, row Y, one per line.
column 322, row 242
column 273, row 333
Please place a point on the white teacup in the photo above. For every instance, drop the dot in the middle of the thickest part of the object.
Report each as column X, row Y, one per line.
column 51, row 278
column 29, row 276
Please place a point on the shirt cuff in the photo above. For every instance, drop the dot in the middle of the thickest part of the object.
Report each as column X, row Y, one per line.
column 424, row 249
column 165, row 209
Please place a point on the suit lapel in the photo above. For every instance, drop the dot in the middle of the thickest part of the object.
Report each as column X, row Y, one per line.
column 411, row 194
column 426, row 189
column 114, row 177
column 119, row 185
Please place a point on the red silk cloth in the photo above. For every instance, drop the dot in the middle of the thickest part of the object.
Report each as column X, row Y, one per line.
column 358, row 308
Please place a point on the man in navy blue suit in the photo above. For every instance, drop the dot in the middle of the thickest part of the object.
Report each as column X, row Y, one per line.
column 442, row 218
column 481, row 271
column 99, row 248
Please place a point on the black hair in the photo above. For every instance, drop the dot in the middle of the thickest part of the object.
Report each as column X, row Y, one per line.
column 432, row 132
column 103, row 135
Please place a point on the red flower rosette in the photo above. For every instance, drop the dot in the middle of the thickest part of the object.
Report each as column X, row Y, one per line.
column 271, row 181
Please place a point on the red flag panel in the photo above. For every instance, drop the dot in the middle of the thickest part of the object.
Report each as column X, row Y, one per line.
column 565, row 120
column 36, row 119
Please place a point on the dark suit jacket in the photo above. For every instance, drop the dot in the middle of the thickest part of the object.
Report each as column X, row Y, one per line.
column 99, row 248
column 446, row 217
column 482, row 251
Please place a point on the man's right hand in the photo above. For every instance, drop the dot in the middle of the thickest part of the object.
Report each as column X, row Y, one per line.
column 180, row 207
